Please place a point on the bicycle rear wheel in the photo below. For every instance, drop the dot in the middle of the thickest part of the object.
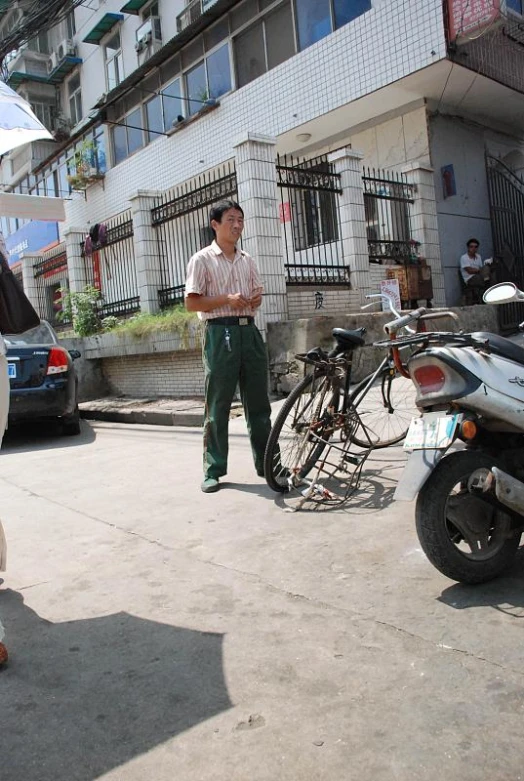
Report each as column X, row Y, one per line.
column 385, row 409
column 301, row 431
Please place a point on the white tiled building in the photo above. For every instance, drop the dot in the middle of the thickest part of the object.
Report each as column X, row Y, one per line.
column 153, row 94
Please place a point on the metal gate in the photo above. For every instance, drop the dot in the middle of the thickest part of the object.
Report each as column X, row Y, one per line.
column 506, row 199
column 180, row 219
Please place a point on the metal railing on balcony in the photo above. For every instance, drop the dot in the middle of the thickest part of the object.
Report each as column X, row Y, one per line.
column 190, row 14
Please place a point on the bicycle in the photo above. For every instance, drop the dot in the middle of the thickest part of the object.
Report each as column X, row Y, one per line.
column 323, row 405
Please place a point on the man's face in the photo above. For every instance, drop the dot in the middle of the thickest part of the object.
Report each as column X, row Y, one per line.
column 472, row 248
column 231, row 226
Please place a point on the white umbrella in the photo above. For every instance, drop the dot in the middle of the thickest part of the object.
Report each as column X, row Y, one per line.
column 18, row 124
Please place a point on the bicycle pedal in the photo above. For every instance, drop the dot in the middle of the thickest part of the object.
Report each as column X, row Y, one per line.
column 355, row 460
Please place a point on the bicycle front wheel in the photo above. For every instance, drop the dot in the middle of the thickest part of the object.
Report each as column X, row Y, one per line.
column 385, row 407
column 301, row 431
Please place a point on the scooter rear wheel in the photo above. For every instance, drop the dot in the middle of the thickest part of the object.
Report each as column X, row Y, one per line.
column 465, row 538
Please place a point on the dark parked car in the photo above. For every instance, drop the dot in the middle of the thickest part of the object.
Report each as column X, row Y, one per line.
column 43, row 380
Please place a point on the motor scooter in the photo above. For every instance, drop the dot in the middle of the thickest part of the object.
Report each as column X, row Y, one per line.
column 466, row 467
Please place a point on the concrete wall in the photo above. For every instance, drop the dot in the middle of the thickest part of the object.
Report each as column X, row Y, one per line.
column 288, row 338
column 91, row 381
column 463, row 143
column 162, row 375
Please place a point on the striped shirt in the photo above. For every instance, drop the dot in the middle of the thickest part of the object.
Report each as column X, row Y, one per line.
column 210, row 273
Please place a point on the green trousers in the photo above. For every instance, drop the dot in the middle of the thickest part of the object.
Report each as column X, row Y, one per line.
column 234, row 355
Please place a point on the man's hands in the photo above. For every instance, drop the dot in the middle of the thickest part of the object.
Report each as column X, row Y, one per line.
column 238, row 301
column 256, row 300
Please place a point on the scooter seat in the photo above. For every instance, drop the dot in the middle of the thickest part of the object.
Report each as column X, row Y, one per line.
column 347, row 338
column 501, row 346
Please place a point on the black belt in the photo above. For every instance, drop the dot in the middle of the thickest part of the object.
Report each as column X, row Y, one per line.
column 231, row 321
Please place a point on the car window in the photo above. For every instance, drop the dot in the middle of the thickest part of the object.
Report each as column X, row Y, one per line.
column 42, row 334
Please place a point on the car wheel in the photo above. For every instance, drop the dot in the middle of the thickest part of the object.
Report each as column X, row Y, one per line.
column 71, row 424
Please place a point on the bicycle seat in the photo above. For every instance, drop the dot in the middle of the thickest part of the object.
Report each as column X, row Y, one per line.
column 501, row 346
column 347, row 339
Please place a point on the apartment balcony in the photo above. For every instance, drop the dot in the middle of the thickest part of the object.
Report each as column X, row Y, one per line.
column 27, row 65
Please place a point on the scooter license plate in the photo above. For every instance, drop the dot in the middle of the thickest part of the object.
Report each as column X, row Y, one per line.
column 433, row 431
column 11, row 370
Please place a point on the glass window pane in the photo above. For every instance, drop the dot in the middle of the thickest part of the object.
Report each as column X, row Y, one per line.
column 173, row 103
column 50, row 186
column 280, row 39
column 250, row 55
column 112, row 78
column 313, row 21
column 243, row 14
column 135, row 136
column 63, row 185
column 113, row 44
column 170, row 69
column 100, row 156
column 119, row 144
column 154, row 117
column 193, row 52
column 219, row 72
column 217, row 33
column 73, row 84
column 196, row 87
column 347, row 10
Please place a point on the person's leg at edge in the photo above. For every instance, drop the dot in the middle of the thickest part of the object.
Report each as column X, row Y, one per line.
column 221, row 367
column 254, row 392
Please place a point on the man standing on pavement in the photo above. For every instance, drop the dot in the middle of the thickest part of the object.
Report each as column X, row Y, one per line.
column 224, row 287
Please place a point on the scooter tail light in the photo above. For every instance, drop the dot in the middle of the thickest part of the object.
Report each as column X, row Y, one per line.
column 57, row 361
column 429, row 378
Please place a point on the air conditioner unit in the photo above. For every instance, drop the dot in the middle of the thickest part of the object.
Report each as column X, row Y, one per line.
column 65, row 49
column 52, row 62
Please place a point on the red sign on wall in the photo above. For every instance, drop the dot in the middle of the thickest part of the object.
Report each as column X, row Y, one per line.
column 284, row 211
column 467, row 17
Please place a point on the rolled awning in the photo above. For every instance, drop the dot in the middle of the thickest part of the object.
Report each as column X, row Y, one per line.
column 32, row 207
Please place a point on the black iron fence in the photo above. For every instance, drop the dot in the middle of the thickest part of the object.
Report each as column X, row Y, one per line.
column 387, row 200
column 310, row 215
column 180, row 219
column 111, row 268
column 506, row 197
column 51, row 277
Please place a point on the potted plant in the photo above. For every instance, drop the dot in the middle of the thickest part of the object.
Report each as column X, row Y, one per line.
column 85, row 172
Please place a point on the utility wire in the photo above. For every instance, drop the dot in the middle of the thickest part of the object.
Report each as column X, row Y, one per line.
column 37, row 16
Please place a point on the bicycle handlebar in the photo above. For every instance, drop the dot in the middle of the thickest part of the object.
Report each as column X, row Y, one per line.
column 401, row 322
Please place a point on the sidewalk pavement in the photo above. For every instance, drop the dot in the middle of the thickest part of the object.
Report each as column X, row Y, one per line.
column 154, row 412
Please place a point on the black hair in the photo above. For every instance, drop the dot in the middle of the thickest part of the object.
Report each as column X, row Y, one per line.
column 473, row 241
column 218, row 210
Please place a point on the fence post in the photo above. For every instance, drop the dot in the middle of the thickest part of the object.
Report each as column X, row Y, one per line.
column 146, row 249
column 348, row 163
column 73, row 238
column 262, row 237
column 28, row 279
column 424, row 225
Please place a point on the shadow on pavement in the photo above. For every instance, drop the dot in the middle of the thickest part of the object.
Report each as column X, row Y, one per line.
column 83, row 697
column 371, row 496
column 505, row 594
column 32, row 437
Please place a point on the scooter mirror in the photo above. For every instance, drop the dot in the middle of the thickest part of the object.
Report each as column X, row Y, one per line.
column 503, row 293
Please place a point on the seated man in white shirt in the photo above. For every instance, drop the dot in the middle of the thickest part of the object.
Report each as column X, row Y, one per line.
column 474, row 272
